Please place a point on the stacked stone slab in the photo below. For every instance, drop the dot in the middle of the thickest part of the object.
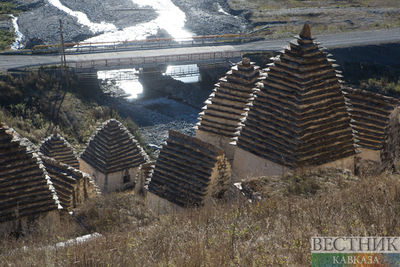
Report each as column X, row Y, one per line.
column 73, row 187
column 113, row 157
column 56, row 147
column 26, row 191
column 376, row 121
column 227, row 104
column 188, row 172
column 144, row 176
column 298, row 119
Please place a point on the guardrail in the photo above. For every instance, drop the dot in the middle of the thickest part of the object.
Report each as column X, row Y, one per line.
column 191, row 40
column 154, row 60
column 152, row 43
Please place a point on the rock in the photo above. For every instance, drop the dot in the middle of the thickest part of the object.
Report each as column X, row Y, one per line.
column 206, row 18
column 32, row 42
column 41, row 25
column 121, row 13
column 26, row 5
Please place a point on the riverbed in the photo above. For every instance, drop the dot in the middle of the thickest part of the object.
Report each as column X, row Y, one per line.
column 122, row 20
column 163, row 98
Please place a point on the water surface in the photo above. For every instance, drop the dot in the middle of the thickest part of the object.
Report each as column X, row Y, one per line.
column 126, row 80
column 19, row 37
column 184, row 73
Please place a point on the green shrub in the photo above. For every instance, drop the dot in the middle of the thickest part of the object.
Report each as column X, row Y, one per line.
column 8, row 7
column 382, row 85
column 6, row 39
column 27, row 103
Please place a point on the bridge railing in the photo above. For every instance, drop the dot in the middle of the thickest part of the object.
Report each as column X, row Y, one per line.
column 151, row 43
column 153, row 60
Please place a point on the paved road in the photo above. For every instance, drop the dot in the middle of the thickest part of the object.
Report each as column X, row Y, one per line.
column 329, row 41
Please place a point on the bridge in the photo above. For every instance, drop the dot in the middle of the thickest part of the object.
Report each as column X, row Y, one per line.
column 193, row 54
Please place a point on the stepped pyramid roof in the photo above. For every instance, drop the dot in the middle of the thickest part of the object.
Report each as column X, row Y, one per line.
column 371, row 114
column 55, row 146
column 227, row 103
column 25, row 187
column 299, row 117
column 184, row 169
column 72, row 186
column 113, row 148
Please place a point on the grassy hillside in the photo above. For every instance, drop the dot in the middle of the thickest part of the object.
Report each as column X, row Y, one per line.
column 7, row 37
column 279, row 4
column 27, row 104
column 274, row 231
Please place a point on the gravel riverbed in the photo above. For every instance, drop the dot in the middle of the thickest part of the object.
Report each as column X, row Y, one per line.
column 39, row 21
column 208, row 17
column 167, row 103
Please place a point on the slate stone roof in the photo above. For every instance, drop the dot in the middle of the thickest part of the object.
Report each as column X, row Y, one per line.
column 113, row 148
column 299, row 117
column 25, row 187
column 72, row 186
column 55, row 146
column 184, row 168
column 227, row 103
column 371, row 114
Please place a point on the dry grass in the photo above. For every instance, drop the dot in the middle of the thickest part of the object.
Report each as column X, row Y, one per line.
column 284, row 18
column 274, row 231
column 119, row 212
column 78, row 120
column 280, row 4
column 27, row 102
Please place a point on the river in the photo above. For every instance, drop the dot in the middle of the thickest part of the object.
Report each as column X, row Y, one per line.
column 163, row 98
column 83, row 19
column 19, row 37
column 169, row 18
